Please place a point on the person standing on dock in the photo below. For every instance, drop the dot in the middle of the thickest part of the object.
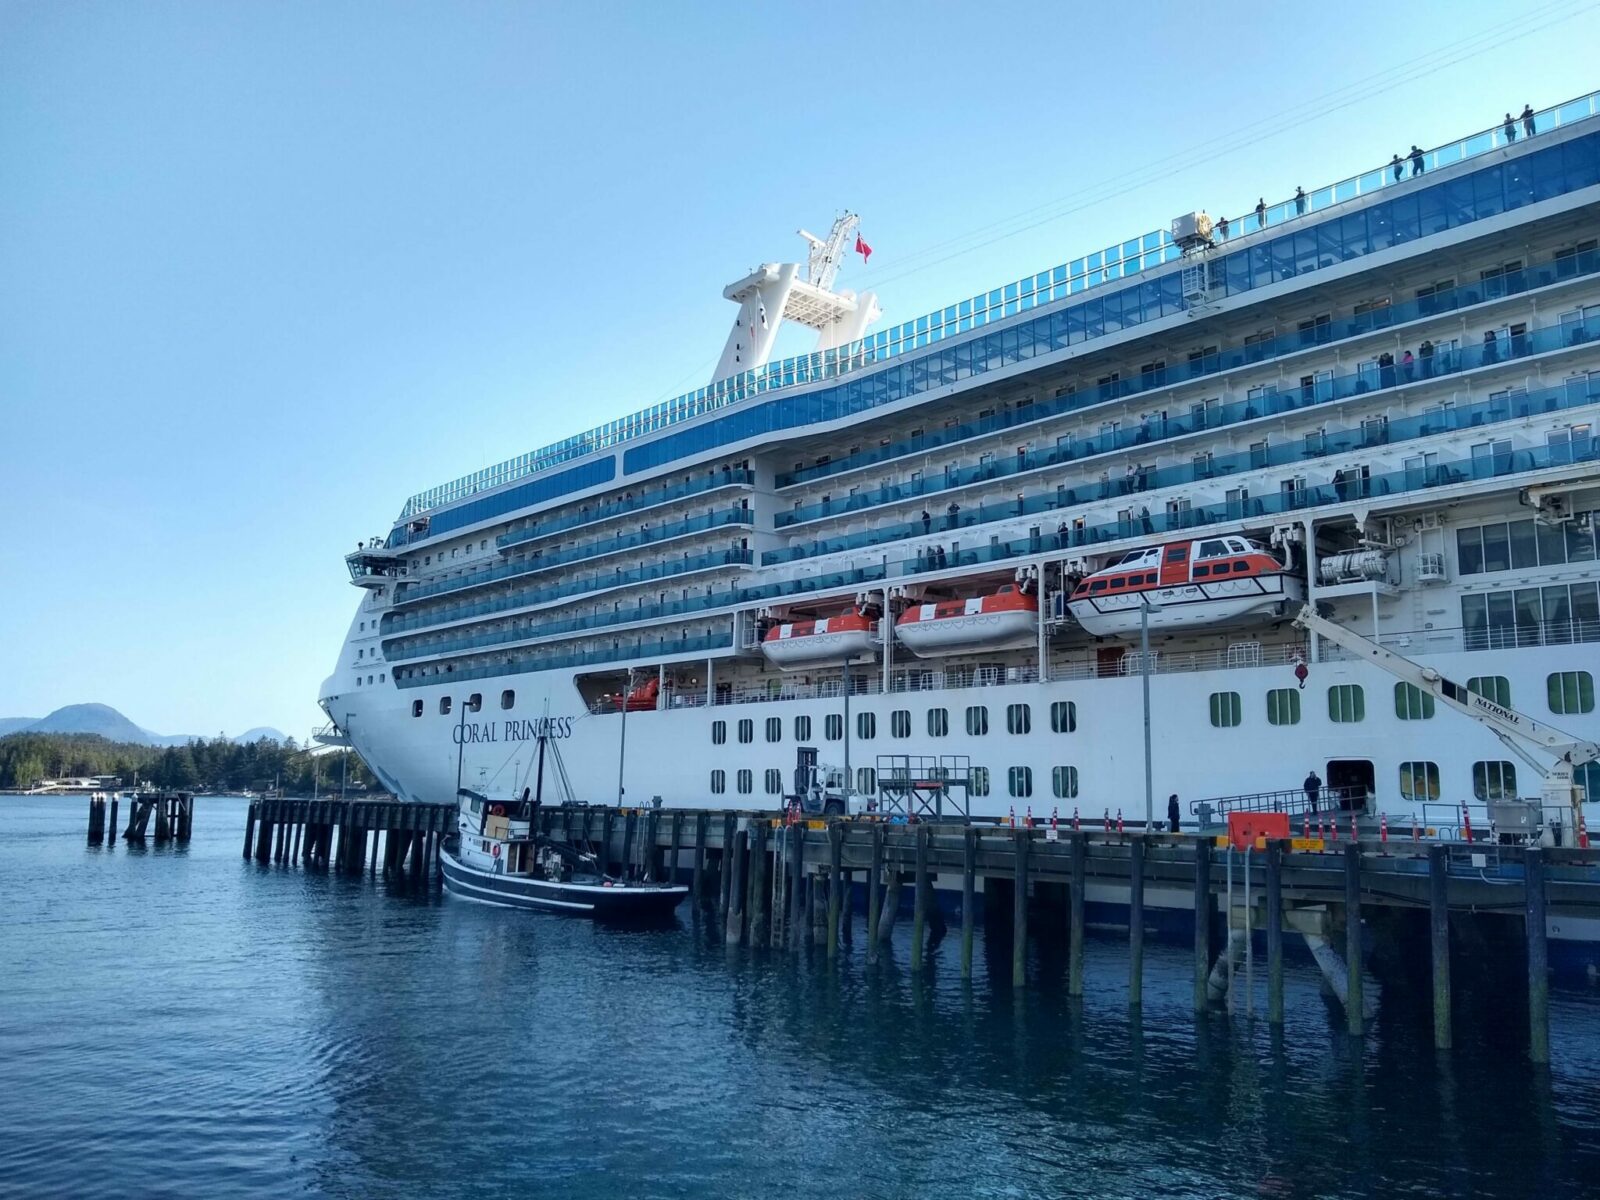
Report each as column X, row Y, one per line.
column 1172, row 811
column 1313, row 786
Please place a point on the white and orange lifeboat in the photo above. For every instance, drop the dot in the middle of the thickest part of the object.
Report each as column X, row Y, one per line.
column 1188, row 584
column 816, row 643
column 1002, row 620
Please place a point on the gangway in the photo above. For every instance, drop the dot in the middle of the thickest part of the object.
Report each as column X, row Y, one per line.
column 925, row 786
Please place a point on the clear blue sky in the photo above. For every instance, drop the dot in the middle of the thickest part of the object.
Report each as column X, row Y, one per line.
column 266, row 269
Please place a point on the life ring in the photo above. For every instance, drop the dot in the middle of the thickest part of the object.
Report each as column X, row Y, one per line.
column 496, row 850
column 499, row 810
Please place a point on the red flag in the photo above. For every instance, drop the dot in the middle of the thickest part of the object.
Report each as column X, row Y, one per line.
column 863, row 249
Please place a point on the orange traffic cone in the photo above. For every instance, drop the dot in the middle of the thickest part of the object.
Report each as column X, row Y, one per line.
column 1011, row 820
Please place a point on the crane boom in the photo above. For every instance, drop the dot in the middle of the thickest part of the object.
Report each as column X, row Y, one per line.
column 1517, row 730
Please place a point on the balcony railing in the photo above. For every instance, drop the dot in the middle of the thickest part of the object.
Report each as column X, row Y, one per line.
column 641, row 537
column 1448, row 300
column 520, row 664
column 733, row 556
column 642, row 502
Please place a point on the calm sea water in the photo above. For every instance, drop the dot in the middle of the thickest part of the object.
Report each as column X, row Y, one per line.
column 178, row 1022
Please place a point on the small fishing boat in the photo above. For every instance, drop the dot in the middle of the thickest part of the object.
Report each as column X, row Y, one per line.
column 1207, row 581
column 495, row 858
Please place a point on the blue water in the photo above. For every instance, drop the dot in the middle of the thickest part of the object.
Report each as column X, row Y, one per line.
column 179, row 1022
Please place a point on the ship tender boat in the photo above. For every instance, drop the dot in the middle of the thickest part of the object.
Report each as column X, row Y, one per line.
column 1005, row 619
column 802, row 644
column 1202, row 582
column 495, row 859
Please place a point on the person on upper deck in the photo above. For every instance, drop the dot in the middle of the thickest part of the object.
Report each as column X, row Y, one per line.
column 1527, row 120
column 1509, row 128
column 1416, row 161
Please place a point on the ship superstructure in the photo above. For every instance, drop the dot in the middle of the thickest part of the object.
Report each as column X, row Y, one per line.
column 945, row 538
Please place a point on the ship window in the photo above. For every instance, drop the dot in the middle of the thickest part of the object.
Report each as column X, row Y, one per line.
column 866, row 725
column 774, row 729
column 1063, row 717
column 938, row 722
column 1283, row 706
column 900, row 723
column 719, row 782
column 977, row 720
column 1019, row 718
column 474, row 701
column 1570, row 692
column 1241, row 566
column 1099, row 585
column 980, row 781
column 1019, row 780
column 444, row 706
column 1064, row 782
column 508, row 699
column 1492, row 687
column 1200, row 572
column 1177, row 554
column 1212, row 549
column 719, row 733
column 1411, row 703
column 1494, row 780
column 1116, row 583
column 747, row 731
column 1225, row 711
column 1419, row 781
column 746, row 782
column 833, row 727
column 802, row 729
column 774, row 781
column 1347, row 703
column 867, row 781
column 416, row 708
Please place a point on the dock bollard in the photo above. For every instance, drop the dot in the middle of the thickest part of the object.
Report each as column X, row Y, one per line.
column 1074, row 818
column 1466, row 821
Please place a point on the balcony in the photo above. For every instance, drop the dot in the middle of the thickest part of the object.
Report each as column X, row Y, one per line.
column 643, row 502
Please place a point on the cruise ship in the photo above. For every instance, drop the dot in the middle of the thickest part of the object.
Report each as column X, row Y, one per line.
column 946, row 541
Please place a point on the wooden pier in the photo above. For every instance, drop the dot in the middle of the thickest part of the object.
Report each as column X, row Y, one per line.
column 775, row 884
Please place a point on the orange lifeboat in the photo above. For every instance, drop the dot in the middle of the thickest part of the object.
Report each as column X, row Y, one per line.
column 643, row 698
column 1202, row 582
column 1004, row 620
column 817, row 643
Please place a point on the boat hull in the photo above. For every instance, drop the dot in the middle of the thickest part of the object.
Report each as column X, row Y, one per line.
column 1187, row 605
column 619, row 903
column 970, row 631
column 820, row 649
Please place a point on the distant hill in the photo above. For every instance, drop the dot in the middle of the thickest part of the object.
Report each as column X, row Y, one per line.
column 259, row 732
column 113, row 726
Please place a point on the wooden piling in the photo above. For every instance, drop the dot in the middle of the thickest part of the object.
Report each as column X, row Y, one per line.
column 698, row 879
column 377, row 832
column 1538, row 957
column 671, row 874
column 250, row 827
column 835, row 884
column 1080, row 854
column 799, row 929
column 756, row 906
column 1136, row 853
column 263, row 840
column 1439, row 931
column 1202, row 920
column 605, row 841
column 629, row 820
column 874, row 901
column 1355, row 1018
column 111, row 821
column 734, row 930
column 969, row 895
column 724, row 874
column 919, row 898
column 1275, row 932
column 1019, row 910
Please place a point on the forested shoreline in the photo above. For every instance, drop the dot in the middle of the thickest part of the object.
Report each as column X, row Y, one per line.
column 200, row 765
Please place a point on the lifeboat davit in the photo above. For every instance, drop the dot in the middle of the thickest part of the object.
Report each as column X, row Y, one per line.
column 818, row 643
column 1004, row 620
column 1202, row 582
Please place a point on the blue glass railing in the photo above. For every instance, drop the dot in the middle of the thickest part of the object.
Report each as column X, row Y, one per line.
column 634, row 503
column 665, row 569
column 1485, row 414
column 516, row 665
column 1443, row 363
column 1117, row 261
column 639, row 537
column 1325, row 444
column 1511, row 283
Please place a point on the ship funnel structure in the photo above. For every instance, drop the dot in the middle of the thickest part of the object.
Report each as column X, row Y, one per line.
column 777, row 292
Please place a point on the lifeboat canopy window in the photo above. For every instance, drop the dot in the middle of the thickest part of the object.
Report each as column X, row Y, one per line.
column 1238, row 545
column 1213, row 548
